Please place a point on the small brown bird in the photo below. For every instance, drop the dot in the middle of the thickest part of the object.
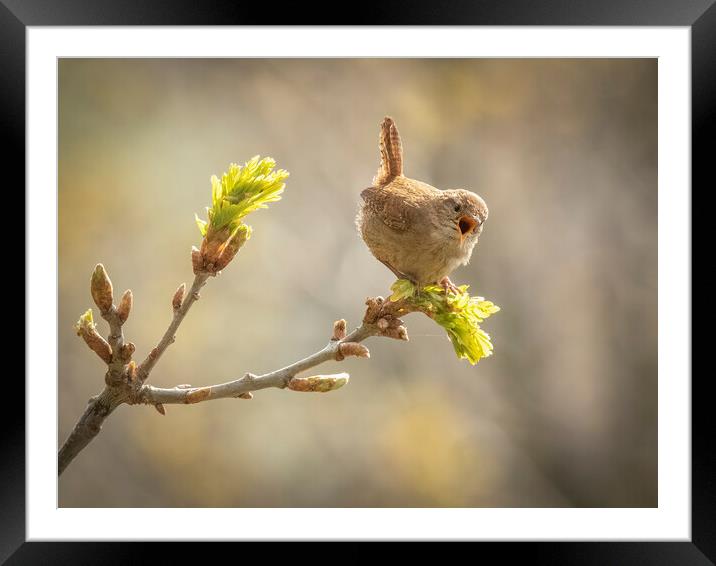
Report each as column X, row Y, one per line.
column 419, row 232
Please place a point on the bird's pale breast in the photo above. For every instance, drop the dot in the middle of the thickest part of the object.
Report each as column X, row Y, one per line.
column 402, row 226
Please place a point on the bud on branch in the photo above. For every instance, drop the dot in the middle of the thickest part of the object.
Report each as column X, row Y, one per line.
column 241, row 190
column 86, row 328
column 132, row 371
column 178, row 298
column 125, row 306
column 197, row 395
column 101, row 288
column 219, row 247
column 382, row 314
column 346, row 349
column 339, row 330
column 126, row 352
column 318, row 383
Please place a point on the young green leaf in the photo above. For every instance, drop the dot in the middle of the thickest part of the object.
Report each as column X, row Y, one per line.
column 241, row 190
column 458, row 313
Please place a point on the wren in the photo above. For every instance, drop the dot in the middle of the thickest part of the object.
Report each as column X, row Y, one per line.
column 419, row 232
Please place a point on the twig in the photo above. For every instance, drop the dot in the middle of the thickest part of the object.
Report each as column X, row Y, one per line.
column 122, row 381
column 125, row 381
column 89, row 425
column 280, row 378
column 170, row 335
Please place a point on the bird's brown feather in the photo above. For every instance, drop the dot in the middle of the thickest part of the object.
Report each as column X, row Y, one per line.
column 391, row 153
column 401, row 203
column 412, row 227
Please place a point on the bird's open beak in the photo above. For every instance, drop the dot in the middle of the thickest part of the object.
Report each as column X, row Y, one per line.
column 465, row 225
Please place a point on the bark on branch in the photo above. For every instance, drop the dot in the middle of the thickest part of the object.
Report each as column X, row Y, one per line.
column 125, row 381
column 249, row 382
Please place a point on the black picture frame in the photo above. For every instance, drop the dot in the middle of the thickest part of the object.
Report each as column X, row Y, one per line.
column 699, row 15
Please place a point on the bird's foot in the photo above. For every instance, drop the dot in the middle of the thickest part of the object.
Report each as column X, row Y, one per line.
column 448, row 285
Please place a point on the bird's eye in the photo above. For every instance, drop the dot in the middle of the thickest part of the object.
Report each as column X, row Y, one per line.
column 457, row 207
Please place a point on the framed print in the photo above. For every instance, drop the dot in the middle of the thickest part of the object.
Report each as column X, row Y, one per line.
column 416, row 277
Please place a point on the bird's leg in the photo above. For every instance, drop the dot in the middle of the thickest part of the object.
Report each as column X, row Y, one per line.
column 397, row 273
column 401, row 275
column 448, row 285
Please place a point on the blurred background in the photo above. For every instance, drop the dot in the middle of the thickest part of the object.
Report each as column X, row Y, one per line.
column 564, row 152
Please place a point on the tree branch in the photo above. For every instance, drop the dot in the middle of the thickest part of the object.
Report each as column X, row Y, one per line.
column 240, row 191
column 334, row 350
column 89, row 425
column 181, row 307
column 125, row 381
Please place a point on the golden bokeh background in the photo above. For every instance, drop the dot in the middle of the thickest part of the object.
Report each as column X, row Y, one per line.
column 563, row 151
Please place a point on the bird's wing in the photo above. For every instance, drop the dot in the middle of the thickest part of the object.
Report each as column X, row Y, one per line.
column 390, row 207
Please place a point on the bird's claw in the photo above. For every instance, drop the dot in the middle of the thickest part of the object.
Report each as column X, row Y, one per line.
column 448, row 285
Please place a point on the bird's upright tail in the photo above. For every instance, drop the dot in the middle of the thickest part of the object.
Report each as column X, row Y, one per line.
column 391, row 153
